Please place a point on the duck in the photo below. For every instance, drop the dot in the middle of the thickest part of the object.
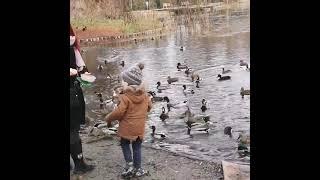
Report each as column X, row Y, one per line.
column 197, row 82
column 155, row 98
column 244, row 92
column 222, row 78
column 176, row 105
column 204, row 105
column 248, row 69
column 187, row 91
column 190, row 117
column 181, row 48
column 194, row 76
column 171, row 80
column 180, row 66
column 110, row 104
column 100, row 67
column 243, row 145
column 196, row 126
column 243, row 63
column 164, row 115
column 187, row 71
column 99, row 95
column 228, row 131
column 161, row 87
column 140, row 66
column 226, row 71
column 151, row 93
column 101, row 105
column 157, row 135
column 181, row 105
column 122, row 63
column 112, row 78
column 169, row 105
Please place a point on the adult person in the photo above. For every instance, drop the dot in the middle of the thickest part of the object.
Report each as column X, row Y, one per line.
column 77, row 106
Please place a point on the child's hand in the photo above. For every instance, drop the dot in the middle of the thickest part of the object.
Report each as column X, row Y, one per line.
column 73, row 72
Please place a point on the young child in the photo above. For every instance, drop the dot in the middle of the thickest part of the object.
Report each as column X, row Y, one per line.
column 131, row 112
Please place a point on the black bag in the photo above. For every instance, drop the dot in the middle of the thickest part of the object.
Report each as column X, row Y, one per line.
column 74, row 101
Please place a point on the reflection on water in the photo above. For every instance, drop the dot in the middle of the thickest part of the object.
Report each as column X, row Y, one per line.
column 206, row 52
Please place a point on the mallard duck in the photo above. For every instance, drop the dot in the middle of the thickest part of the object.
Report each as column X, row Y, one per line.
column 158, row 135
column 190, row 117
column 222, row 78
column 225, row 71
column 164, row 115
column 113, row 78
column 197, row 82
column 204, row 105
column 155, row 98
column 243, row 145
column 243, row 63
column 100, row 67
column 122, row 63
column 228, row 131
column 176, row 105
column 140, row 66
column 101, row 105
column 161, row 87
column 171, row 80
column 187, row 71
column 187, row 91
column 244, row 92
column 181, row 105
column 99, row 95
column 244, row 139
column 194, row 76
column 180, row 66
column 110, row 104
column 151, row 93
column 196, row 126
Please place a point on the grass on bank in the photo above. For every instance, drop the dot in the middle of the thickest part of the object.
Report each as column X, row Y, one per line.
column 117, row 25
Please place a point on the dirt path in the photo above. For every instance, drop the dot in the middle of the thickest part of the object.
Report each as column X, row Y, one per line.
column 108, row 158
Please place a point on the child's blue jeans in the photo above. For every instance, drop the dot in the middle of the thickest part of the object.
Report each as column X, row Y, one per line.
column 136, row 147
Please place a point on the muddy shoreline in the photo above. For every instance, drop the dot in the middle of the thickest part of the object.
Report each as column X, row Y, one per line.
column 109, row 161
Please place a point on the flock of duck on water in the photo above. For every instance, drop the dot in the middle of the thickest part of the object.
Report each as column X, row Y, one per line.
column 193, row 122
